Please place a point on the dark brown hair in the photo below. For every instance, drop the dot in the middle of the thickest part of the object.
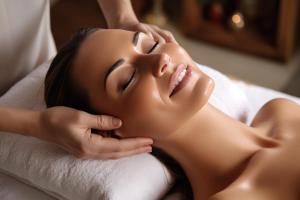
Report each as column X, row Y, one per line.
column 62, row 90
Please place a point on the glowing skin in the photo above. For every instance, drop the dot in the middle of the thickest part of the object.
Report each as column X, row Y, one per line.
column 147, row 98
column 222, row 157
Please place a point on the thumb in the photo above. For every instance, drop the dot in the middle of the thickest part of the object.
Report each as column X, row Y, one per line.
column 145, row 29
column 102, row 122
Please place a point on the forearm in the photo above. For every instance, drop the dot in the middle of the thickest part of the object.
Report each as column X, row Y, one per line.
column 117, row 12
column 18, row 120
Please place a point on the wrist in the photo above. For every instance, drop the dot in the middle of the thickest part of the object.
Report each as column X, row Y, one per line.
column 122, row 22
column 118, row 13
column 33, row 124
column 19, row 121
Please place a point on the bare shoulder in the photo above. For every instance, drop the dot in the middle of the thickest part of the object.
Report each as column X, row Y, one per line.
column 238, row 194
column 279, row 108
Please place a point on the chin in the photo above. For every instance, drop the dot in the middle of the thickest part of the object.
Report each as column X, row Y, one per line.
column 201, row 92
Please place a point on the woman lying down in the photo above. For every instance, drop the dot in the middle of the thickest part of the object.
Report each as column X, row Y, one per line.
column 158, row 92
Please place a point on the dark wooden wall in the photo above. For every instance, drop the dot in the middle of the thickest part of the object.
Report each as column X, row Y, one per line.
column 67, row 16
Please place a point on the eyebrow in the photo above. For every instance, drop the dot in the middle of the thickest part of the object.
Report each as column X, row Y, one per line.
column 121, row 60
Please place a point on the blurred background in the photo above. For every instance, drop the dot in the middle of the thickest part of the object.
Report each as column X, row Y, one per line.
column 250, row 40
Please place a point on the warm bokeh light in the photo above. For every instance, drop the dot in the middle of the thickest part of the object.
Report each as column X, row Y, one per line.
column 237, row 20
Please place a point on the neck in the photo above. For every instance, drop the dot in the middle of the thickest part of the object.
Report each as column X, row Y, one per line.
column 212, row 148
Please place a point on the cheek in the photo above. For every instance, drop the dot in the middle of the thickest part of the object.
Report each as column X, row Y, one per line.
column 178, row 54
column 144, row 111
column 145, row 114
column 139, row 107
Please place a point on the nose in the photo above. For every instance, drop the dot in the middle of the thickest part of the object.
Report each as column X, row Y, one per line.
column 156, row 64
column 161, row 65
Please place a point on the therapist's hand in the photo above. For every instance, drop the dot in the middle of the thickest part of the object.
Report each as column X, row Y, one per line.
column 120, row 15
column 153, row 31
column 71, row 130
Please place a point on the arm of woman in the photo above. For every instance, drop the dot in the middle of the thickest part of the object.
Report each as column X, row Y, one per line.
column 71, row 130
column 119, row 14
column 17, row 120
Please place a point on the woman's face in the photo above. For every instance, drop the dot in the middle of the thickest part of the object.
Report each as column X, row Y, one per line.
column 130, row 76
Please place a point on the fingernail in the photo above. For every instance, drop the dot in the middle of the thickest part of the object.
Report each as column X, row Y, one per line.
column 116, row 122
column 148, row 149
column 147, row 142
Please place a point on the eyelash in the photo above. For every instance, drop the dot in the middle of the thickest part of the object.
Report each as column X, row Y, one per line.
column 128, row 82
column 152, row 48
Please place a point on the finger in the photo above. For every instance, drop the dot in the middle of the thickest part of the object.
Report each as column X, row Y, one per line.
column 101, row 122
column 157, row 37
column 110, row 145
column 167, row 35
column 147, row 31
column 141, row 28
column 117, row 155
column 150, row 35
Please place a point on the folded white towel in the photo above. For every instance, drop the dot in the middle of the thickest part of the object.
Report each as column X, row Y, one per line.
column 52, row 170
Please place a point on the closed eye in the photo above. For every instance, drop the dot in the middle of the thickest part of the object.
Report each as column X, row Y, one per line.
column 153, row 47
column 124, row 86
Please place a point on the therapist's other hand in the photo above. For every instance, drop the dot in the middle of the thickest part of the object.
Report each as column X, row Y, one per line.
column 72, row 130
column 153, row 31
column 120, row 15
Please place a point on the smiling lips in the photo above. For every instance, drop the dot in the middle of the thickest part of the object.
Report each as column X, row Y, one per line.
column 179, row 78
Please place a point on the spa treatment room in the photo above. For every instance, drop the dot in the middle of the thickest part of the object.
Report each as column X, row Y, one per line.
column 149, row 99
